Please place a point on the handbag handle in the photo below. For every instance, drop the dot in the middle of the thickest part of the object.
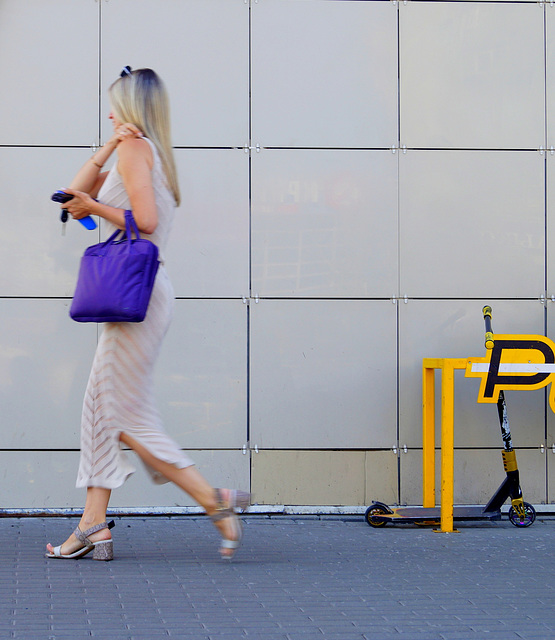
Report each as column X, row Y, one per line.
column 131, row 225
column 127, row 233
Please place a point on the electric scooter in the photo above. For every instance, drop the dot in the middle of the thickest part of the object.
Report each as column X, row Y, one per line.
column 521, row 514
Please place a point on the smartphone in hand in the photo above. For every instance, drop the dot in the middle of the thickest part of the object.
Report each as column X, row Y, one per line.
column 61, row 197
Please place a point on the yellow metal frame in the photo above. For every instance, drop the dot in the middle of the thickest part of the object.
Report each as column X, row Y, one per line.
column 447, row 367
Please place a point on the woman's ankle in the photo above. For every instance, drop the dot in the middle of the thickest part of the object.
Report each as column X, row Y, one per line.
column 91, row 520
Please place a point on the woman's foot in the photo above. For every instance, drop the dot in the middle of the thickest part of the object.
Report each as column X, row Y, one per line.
column 225, row 519
column 95, row 538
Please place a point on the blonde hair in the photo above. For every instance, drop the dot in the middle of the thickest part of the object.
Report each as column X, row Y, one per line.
column 140, row 97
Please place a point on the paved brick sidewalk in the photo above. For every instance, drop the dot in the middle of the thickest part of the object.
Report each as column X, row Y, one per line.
column 293, row 579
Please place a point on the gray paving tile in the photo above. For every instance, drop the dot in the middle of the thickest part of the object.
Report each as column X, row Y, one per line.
column 310, row 578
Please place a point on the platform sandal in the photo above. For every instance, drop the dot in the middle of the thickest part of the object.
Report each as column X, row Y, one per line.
column 238, row 500
column 102, row 549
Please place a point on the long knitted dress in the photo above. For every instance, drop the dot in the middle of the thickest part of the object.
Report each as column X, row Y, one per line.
column 119, row 395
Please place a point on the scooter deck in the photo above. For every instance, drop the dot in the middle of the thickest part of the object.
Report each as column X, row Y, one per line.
column 422, row 514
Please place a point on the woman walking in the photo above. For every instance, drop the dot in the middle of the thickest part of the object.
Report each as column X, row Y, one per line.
column 119, row 406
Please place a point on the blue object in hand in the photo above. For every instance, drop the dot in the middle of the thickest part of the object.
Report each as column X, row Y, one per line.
column 62, row 196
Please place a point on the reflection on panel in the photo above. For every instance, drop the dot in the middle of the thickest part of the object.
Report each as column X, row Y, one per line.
column 201, row 377
column 551, row 274
column 220, row 468
column 29, row 469
column 208, row 252
column 315, row 85
column 483, row 1
column 550, row 87
column 207, row 80
column 550, row 462
column 324, row 223
column 323, row 374
column 551, row 243
column 478, row 474
column 550, row 442
column 36, row 106
column 297, row 477
column 455, row 329
column 40, row 479
column 45, row 359
column 411, row 478
column 471, row 75
column 382, row 477
column 37, row 260
column 472, row 224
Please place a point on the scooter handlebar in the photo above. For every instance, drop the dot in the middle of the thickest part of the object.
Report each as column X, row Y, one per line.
column 489, row 333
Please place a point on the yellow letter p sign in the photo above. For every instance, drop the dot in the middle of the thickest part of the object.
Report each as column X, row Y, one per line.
column 515, row 362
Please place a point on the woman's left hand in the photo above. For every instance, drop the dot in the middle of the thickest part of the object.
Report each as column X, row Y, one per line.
column 80, row 205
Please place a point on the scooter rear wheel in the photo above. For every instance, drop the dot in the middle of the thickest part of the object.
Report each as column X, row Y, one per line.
column 529, row 517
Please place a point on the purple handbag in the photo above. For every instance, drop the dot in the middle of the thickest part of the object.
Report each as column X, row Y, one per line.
column 116, row 278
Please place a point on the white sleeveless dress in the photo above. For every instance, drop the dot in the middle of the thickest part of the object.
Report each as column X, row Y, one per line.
column 119, row 396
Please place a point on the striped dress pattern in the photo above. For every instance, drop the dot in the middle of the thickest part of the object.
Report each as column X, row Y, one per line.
column 119, row 395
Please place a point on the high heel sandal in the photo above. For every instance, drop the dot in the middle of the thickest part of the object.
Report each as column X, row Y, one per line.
column 102, row 550
column 237, row 500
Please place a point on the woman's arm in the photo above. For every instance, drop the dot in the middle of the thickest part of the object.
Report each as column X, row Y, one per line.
column 89, row 179
column 135, row 161
column 134, row 165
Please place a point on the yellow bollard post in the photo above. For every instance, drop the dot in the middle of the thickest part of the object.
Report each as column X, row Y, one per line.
column 428, row 435
column 447, row 367
column 447, row 445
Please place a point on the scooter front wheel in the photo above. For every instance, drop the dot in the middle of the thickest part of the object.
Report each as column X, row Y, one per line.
column 372, row 515
column 529, row 516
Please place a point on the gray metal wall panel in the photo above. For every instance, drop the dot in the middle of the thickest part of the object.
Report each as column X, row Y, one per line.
column 201, row 50
column 324, row 74
column 471, row 76
column 49, row 73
